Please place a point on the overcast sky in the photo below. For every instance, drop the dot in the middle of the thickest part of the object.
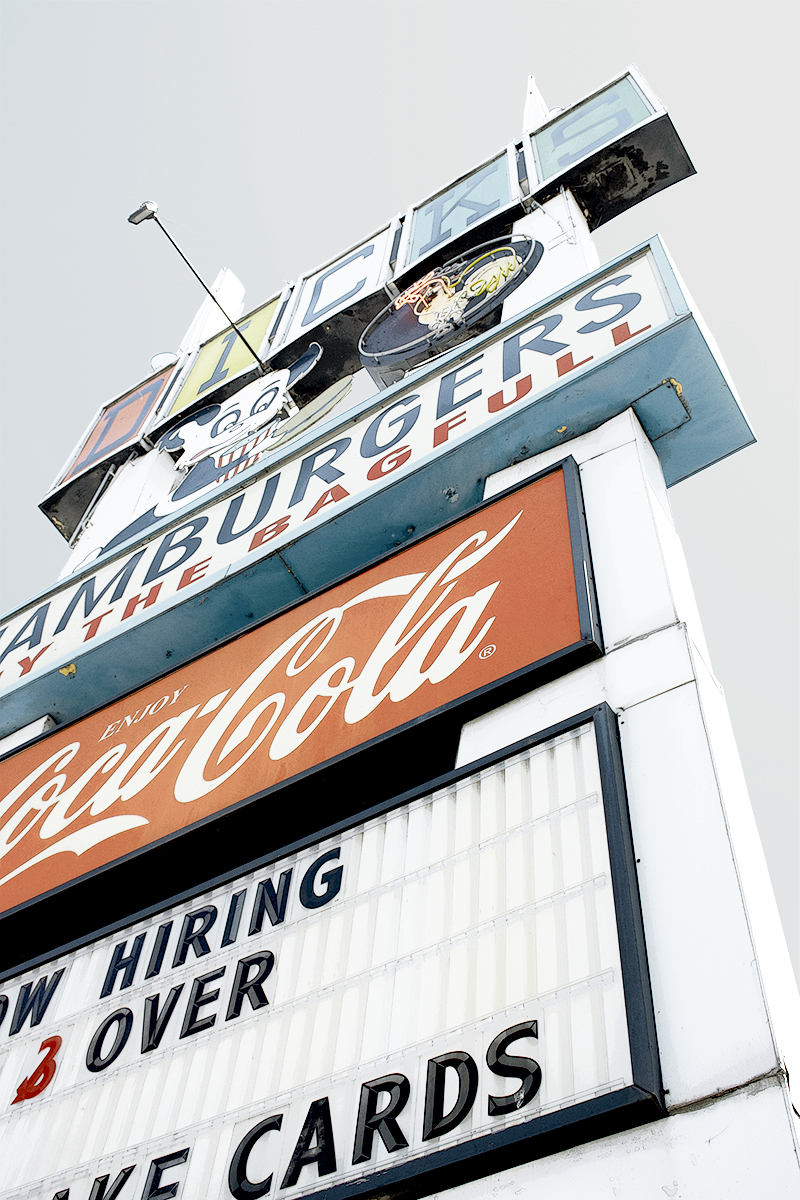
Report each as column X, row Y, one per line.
column 274, row 135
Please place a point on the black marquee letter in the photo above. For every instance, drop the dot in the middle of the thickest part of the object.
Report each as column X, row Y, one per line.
column 123, row 1019
column 370, row 1121
column 154, row 1023
column 270, row 902
column 193, row 933
column 120, row 961
column 199, row 998
column 157, row 1168
column 240, row 1186
column 510, row 1066
column 34, row 1002
column 243, row 985
column 99, row 1192
column 332, row 880
column 317, row 1123
column 233, row 919
column 159, row 950
column 435, row 1122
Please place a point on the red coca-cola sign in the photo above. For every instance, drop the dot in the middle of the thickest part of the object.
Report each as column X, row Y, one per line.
column 498, row 592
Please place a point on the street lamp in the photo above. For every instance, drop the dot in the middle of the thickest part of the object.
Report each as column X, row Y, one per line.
column 148, row 211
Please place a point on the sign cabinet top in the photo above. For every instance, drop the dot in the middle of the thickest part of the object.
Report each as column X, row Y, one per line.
column 610, row 150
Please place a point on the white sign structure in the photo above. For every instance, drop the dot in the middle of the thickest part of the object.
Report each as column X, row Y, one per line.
column 401, row 431
column 250, row 984
column 446, row 971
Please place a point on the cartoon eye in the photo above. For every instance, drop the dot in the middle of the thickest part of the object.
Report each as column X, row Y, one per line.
column 264, row 400
column 226, row 422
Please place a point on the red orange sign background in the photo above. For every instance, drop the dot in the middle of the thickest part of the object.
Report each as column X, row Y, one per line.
column 460, row 610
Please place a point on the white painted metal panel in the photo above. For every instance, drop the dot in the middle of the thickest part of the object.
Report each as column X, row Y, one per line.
column 738, row 1147
column 459, row 915
column 725, row 1003
column 640, row 572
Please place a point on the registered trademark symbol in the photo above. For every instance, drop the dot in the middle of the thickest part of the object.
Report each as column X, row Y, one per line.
column 487, row 651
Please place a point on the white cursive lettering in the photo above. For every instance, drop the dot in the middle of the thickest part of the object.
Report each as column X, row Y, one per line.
column 425, row 642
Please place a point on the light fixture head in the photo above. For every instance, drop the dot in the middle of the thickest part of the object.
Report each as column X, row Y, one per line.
column 146, row 210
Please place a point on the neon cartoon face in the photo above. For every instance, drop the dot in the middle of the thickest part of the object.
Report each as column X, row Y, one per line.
column 233, row 423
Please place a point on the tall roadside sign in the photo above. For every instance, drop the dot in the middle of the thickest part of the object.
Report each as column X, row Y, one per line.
column 370, row 822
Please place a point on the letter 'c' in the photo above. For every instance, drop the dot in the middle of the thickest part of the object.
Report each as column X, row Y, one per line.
column 240, row 1186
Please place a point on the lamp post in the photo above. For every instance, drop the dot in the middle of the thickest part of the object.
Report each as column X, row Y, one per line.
column 148, row 211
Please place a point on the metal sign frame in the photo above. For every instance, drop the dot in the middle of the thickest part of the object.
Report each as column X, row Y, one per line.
column 66, row 476
column 536, row 175
column 633, row 1105
column 623, row 170
column 75, row 492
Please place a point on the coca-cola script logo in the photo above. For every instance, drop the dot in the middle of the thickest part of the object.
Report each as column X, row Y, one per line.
column 362, row 659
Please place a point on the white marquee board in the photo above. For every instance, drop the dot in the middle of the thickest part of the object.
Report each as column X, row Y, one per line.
column 428, row 929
